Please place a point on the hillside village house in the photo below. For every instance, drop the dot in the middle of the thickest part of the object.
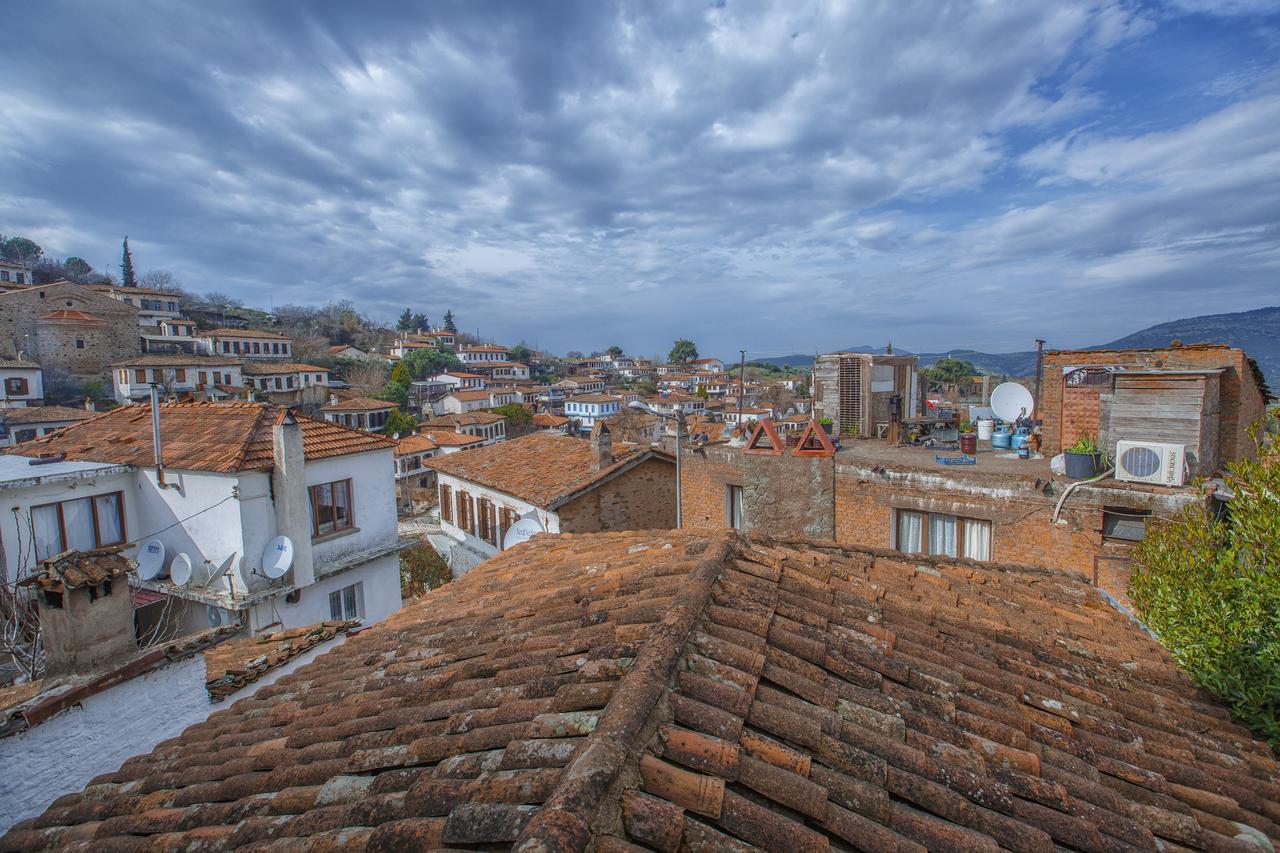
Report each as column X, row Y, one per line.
column 411, row 474
column 14, row 273
column 564, row 484
column 578, row 385
column 479, row 354
column 461, row 380
column 234, row 477
column 288, row 384
column 244, row 343
column 404, row 346
column 749, row 414
column 21, row 383
column 170, row 336
column 27, row 423
column 458, row 402
column 586, row 409
column 68, row 329
column 154, row 306
column 666, row 403
column 347, row 351
column 503, row 371
column 177, row 374
column 362, row 413
column 552, row 423
column 490, row 426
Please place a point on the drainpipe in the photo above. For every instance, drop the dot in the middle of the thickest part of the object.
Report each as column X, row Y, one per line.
column 1035, row 403
column 155, row 439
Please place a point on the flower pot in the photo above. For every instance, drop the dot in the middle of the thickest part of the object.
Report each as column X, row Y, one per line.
column 827, row 428
column 1081, row 466
column 968, row 443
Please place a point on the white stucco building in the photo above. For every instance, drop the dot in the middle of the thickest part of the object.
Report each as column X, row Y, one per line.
column 176, row 373
column 21, row 382
column 244, row 343
column 586, row 409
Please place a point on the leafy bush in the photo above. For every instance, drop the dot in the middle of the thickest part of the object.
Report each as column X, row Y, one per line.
column 1210, row 589
column 422, row 570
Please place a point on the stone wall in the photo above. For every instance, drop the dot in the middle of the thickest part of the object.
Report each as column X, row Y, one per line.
column 642, row 498
column 53, row 343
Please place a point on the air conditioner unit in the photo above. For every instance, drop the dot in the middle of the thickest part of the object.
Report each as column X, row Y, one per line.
column 1151, row 462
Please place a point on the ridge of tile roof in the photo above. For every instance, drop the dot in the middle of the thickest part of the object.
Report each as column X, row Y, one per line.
column 177, row 359
column 474, row 393
column 452, row 438
column 542, row 468
column 218, row 437
column 698, row 690
column 236, row 663
column 465, row 419
column 415, row 443
column 358, row 404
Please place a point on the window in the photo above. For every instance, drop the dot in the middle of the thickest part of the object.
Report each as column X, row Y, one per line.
column 1128, row 525
column 330, row 507
column 446, row 507
column 942, row 535
column 733, row 506
column 15, row 385
column 256, row 348
column 180, row 375
column 226, row 346
column 4, row 275
column 79, row 341
column 465, row 513
column 81, row 524
column 203, row 377
column 277, row 383
column 275, row 348
column 347, row 603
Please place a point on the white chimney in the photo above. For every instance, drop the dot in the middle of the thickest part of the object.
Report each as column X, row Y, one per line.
column 289, row 487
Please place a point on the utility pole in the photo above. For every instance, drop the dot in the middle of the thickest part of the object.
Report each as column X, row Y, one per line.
column 742, row 377
column 1035, row 403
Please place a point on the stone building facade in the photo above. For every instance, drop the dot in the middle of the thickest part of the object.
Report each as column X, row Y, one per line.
column 72, row 331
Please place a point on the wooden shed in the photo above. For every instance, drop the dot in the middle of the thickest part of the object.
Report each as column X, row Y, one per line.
column 1176, row 406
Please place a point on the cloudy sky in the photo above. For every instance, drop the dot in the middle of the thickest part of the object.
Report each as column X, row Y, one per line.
column 785, row 177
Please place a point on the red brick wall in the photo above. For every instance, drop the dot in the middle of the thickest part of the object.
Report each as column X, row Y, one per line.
column 1241, row 400
column 1081, row 413
column 703, row 479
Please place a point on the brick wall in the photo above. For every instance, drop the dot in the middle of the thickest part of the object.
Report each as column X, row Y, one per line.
column 1066, row 411
column 1081, row 413
column 703, row 479
column 643, row 498
column 53, row 343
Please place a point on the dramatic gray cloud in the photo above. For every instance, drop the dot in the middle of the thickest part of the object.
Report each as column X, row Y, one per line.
column 781, row 176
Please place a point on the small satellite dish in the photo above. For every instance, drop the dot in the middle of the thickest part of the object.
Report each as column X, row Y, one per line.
column 151, row 559
column 277, row 557
column 216, row 616
column 522, row 531
column 221, row 570
column 180, row 569
column 1011, row 401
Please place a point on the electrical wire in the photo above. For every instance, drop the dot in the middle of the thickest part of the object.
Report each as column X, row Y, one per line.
column 180, row 521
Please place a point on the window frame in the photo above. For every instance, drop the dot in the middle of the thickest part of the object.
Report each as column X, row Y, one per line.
column 356, row 591
column 959, row 521
column 732, row 507
column 446, row 503
column 312, row 494
column 16, row 385
column 97, row 526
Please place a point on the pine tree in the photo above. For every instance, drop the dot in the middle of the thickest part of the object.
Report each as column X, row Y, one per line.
column 405, row 323
column 127, row 278
column 449, row 325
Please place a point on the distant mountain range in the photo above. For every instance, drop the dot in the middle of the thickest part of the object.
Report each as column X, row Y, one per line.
column 1257, row 332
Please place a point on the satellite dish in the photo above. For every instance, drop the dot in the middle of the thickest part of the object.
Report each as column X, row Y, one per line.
column 180, row 569
column 216, row 616
column 221, row 570
column 1011, row 401
column 522, row 531
column 277, row 557
column 151, row 559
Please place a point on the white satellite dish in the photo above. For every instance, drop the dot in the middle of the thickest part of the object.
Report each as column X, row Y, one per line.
column 151, row 559
column 221, row 570
column 180, row 569
column 216, row 616
column 522, row 531
column 1011, row 401
column 277, row 557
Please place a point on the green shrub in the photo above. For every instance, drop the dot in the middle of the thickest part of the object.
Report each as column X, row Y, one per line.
column 422, row 570
column 1210, row 589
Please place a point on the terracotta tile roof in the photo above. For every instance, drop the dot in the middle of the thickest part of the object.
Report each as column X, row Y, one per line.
column 542, row 468
column 269, row 368
column 76, row 569
column 483, row 348
column 465, row 419
column 218, row 437
column 177, row 359
column 544, row 420
column 698, row 691
column 358, row 404
column 473, row 394
column 242, row 333
column 42, row 415
column 594, row 398
column 458, row 374
column 14, row 364
column 452, row 438
column 416, row 443
column 236, row 663
column 70, row 314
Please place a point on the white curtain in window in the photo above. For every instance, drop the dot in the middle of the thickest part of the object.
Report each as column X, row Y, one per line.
column 910, row 532
column 47, row 532
column 977, row 539
column 110, row 531
column 942, row 534
column 77, row 520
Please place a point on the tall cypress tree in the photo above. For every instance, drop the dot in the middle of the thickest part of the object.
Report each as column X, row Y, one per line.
column 448, row 323
column 126, row 267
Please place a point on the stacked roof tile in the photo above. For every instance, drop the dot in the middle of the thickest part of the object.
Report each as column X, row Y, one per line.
column 197, row 437
column 232, row 665
column 689, row 691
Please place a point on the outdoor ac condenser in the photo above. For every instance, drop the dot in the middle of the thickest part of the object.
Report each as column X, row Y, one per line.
column 1151, row 462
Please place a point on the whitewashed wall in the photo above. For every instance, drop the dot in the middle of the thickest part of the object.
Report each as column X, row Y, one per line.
column 550, row 520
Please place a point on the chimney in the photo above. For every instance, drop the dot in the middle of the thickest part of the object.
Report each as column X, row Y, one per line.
column 601, row 446
column 333, row 399
column 289, row 486
column 88, row 405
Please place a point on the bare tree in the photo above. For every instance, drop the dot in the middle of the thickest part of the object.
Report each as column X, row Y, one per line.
column 366, row 377
column 161, row 280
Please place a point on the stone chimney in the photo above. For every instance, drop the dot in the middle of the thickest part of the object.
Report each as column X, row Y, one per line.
column 289, row 486
column 601, row 446
column 88, row 405
column 85, row 614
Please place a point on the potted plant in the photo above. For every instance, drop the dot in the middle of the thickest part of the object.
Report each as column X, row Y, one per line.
column 968, row 438
column 1084, row 458
column 827, row 424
